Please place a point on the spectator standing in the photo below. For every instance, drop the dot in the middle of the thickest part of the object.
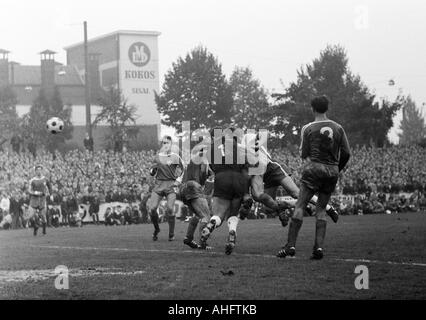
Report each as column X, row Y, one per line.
column 16, row 143
column 94, row 207
column 15, row 210
column 88, row 143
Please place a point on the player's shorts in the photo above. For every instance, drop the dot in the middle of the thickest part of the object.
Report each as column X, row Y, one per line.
column 230, row 185
column 164, row 187
column 189, row 191
column 37, row 202
column 320, row 177
column 274, row 174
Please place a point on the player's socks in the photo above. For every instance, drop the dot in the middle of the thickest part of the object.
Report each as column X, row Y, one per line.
column 203, row 224
column 214, row 222
column 293, row 231
column 192, row 226
column 44, row 227
column 35, row 231
column 232, row 238
column 320, row 228
column 154, row 219
column 172, row 222
column 233, row 223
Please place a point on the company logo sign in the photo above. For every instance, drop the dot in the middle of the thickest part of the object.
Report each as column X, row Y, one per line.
column 139, row 54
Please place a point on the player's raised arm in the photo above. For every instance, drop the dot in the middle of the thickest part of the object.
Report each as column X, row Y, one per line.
column 345, row 152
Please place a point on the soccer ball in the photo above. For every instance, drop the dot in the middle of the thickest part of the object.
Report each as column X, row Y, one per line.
column 54, row 125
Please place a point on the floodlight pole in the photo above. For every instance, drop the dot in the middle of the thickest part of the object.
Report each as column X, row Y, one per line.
column 87, row 84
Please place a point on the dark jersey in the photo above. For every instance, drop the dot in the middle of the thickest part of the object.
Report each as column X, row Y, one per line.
column 223, row 158
column 196, row 172
column 39, row 189
column 325, row 142
column 167, row 164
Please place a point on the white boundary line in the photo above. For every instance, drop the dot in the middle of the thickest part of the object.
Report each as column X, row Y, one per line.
column 412, row 264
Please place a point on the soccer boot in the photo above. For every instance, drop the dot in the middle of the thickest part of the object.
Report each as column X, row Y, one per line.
column 171, row 237
column 155, row 234
column 309, row 211
column 245, row 208
column 283, row 215
column 317, row 254
column 191, row 243
column 334, row 215
column 232, row 238
column 286, row 252
column 204, row 246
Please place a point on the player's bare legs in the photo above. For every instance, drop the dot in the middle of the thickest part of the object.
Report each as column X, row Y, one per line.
column 171, row 219
column 296, row 222
column 152, row 205
column 290, row 186
column 259, row 194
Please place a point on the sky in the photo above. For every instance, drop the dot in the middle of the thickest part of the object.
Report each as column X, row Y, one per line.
column 384, row 39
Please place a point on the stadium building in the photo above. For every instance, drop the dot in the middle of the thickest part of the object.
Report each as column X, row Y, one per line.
column 127, row 60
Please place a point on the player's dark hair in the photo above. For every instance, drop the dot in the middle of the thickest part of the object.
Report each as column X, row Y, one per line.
column 320, row 104
column 167, row 138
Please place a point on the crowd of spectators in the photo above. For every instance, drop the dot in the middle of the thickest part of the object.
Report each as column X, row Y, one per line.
column 106, row 176
column 76, row 178
column 389, row 170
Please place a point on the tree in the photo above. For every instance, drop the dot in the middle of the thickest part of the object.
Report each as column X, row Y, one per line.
column 9, row 120
column 41, row 110
column 195, row 90
column 365, row 120
column 118, row 114
column 412, row 124
column 250, row 108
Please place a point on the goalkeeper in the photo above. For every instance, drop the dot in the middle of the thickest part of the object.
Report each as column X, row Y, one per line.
column 39, row 189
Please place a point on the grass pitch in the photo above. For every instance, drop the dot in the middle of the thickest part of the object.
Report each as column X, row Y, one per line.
column 123, row 262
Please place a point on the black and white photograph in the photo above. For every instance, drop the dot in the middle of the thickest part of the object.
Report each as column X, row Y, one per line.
column 212, row 154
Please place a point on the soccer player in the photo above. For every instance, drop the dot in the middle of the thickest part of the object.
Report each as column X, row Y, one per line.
column 230, row 184
column 191, row 193
column 168, row 169
column 264, row 187
column 325, row 149
column 38, row 190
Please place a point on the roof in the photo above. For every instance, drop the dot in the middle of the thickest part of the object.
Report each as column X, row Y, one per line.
column 31, row 75
column 47, row 51
column 118, row 32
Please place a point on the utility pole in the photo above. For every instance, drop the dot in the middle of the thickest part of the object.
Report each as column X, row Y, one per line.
column 87, row 84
